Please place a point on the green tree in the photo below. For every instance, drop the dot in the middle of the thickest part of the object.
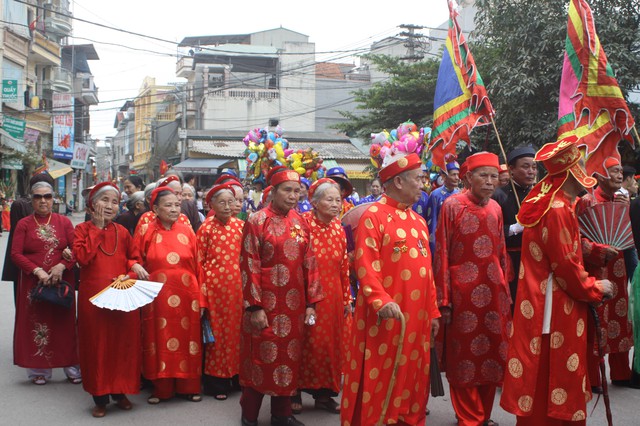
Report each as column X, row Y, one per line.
column 519, row 48
column 407, row 94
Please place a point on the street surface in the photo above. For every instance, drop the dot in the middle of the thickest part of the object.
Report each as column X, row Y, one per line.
column 64, row 404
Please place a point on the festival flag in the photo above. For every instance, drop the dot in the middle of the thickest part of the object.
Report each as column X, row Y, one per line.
column 591, row 104
column 461, row 102
column 41, row 167
column 164, row 167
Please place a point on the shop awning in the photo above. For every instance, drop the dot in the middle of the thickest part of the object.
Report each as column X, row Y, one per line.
column 10, row 142
column 201, row 166
column 57, row 169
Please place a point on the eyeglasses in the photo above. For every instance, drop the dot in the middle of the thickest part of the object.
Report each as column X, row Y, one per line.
column 41, row 196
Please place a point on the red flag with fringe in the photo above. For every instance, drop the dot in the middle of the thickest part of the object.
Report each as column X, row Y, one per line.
column 591, row 104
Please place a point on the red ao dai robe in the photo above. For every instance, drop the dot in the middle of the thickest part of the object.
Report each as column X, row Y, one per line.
column 470, row 265
column 171, row 337
column 324, row 343
column 393, row 264
column 552, row 246
column 149, row 216
column 616, row 331
column 45, row 334
column 110, row 357
column 280, row 275
column 219, row 251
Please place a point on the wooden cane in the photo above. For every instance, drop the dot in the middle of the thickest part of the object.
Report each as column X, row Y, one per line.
column 603, row 370
column 396, row 364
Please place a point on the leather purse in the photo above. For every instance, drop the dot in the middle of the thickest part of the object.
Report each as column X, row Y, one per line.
column 61, row 294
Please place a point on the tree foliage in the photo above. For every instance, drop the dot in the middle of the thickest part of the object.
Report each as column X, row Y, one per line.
column 519, row 48
column 407, row 94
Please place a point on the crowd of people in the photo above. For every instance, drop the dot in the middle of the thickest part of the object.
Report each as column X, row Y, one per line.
column 487, row 275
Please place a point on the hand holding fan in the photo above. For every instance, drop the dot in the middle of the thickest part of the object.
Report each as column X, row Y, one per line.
column 126, row 294
column 607, row 223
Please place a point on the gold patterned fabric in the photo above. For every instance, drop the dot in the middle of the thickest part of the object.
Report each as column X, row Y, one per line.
column 280, row 275
column 550, row 247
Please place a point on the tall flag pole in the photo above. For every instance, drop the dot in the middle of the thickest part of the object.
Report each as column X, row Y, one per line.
column 461, row 102
column 591, row 104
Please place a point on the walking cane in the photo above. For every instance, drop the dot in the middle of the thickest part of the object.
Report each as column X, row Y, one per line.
column 603, row 374
column 392, row 382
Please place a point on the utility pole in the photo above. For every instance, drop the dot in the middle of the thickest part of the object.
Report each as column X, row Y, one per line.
column 414, row 44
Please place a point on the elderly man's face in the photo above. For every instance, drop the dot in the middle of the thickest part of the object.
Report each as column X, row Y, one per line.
column 613, row 183
column 483, row 182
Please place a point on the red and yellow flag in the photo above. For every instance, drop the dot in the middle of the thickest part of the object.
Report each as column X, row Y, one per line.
column 591, row 104
column 461, row 102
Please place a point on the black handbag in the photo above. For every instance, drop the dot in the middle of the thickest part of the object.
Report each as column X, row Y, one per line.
column 61, row 294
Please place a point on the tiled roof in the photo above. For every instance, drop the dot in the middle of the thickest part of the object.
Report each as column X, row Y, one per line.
column 338, row 148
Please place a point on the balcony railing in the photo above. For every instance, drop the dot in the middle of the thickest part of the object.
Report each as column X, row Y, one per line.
column 60, row 80
column 58, row 20
column 86, row 89
column 184, row 66
column 257, row 94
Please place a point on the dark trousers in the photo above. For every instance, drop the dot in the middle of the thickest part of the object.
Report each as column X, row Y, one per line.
column 251, row 401
column 103, row 400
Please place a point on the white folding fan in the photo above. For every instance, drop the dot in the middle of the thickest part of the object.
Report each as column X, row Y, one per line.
column 126, row 295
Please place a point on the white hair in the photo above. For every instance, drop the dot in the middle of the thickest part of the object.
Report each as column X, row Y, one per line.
column 39, row 185
column 321, row 189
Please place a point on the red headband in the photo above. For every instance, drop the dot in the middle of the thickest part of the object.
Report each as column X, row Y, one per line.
column 217, row 188
column 98, row 187
column 168, row 180
column 482, row 159
column 316, row 184
column 286, row 175
column 403, row 164
column 265, row 194
column 611, row 162
column 154, row 194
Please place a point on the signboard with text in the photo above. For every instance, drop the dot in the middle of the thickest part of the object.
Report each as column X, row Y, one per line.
column 80, row 156
column 63, row 136
column 14, row 126
column 9, row 90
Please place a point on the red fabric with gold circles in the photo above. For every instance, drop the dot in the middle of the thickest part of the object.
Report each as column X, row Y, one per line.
column 551, row 246
column 616, row 328
column 150, row 216
column 219, row 254
column 171, row 337
column 392, row 263
column 323, row 350
column 470, row 268
column 280, row 275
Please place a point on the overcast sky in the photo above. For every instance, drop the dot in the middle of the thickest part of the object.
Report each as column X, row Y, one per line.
column 332, row 25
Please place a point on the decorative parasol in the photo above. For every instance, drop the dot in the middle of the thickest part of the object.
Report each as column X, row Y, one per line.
column 350, row 223
column 126, row 294
column 607, row 223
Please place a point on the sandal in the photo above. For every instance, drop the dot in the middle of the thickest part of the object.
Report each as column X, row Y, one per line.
column 490, row 423
column 153, row 400
column 220, row 396
column 74, row 380
column 195, row 397
column 328, row 405
column 296, row 404
column 39, row 380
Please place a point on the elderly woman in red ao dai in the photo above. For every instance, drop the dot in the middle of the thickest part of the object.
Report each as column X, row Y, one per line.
column 324, row 344
column 219, row 242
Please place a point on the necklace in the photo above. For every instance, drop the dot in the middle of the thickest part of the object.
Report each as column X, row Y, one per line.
column 116, row 245
column 42, row 225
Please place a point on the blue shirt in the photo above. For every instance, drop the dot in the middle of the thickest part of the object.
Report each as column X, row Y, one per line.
column 436, row 199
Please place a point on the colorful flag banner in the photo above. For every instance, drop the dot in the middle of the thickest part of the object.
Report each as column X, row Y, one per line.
column 461, row 102
column 591, row 104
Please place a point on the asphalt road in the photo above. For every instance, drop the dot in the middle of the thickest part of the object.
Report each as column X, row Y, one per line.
column 61, row 403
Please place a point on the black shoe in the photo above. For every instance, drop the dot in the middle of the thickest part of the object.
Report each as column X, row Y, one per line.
column 285, row 421
column 246, row 422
